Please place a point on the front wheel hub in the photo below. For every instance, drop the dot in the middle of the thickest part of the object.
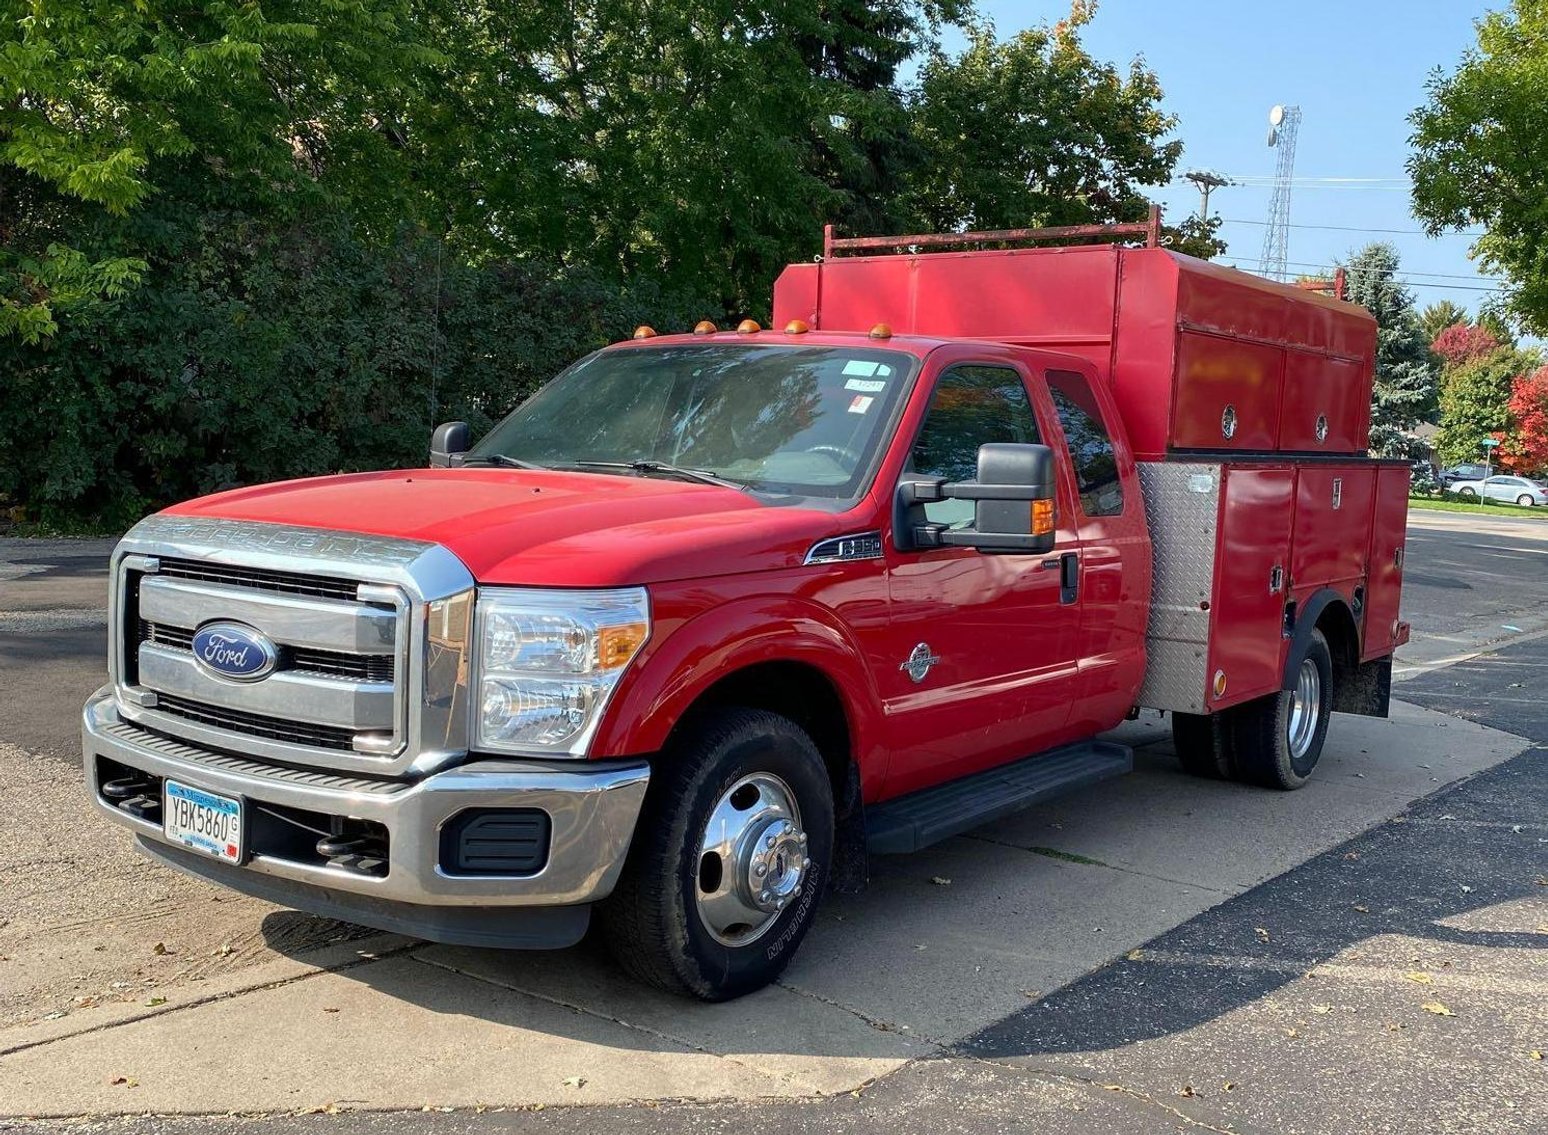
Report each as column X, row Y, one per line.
column 752, row 860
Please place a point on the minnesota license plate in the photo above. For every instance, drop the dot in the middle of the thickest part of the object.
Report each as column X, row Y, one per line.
column 203, row 821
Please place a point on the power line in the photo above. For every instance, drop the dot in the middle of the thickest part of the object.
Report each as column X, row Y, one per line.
column 1325, row 267
column 1351, row 228
column 1397, row 279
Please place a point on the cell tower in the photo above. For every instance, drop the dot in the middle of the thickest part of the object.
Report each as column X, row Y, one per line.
column 1284, row 124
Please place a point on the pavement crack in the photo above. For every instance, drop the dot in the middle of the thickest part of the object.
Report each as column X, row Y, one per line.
column 881, row 1026
column 1087, row 861
column 586, row 1010
column 1094, row 1084
column 213, row 998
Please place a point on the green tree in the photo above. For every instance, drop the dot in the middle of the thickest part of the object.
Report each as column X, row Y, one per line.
column 112, row 111
column 1440, row 315
column 1405, row 389
column 1481, row 153
column 1032, row 130
column 1476, row 403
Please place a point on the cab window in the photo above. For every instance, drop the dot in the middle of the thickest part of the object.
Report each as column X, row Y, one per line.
column 1090, row 447
column 971, row 406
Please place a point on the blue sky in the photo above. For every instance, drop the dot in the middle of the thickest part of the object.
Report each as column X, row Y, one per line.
column 1356, row 69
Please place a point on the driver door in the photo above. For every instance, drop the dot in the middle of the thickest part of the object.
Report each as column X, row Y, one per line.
column 983, row 647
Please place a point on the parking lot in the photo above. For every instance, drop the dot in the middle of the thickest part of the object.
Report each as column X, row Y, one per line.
column 1154, row 954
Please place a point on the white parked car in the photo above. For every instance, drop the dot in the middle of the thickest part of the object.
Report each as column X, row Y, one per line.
column 1517, row 490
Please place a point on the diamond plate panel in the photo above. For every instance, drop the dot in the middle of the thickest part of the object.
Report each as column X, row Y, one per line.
column 1182, row 505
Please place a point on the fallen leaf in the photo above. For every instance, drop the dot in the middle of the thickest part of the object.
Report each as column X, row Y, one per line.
column 1420, row 976
column 1292, row 1033
column 1323, row 1009
column 154, row 1001
column 575, row 1081
column 160, row 949
column 1437, row 1008
column 1186, row 1090
column 1351, row 855
column 940, row 880
column 1263, row 935
column 1228, row 1086
column 1536, row 1054
column 1362, row 909
column 54, row 1016
column 1113, row 1087
column 1136, row 955
column 330, row 1009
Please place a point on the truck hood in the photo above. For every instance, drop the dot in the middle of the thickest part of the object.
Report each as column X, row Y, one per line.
column 543, row 528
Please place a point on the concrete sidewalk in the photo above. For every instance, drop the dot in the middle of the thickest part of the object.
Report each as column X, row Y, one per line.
column 944, row 945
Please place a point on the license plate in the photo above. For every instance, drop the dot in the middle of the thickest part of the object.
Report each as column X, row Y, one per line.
column 203, row 821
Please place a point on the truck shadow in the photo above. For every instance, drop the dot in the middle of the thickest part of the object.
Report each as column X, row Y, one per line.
column 1418, row 886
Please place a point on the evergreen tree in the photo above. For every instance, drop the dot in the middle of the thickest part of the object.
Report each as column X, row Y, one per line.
column 1405, row 393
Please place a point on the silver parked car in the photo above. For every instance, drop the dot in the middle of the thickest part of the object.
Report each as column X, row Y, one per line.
column 1517, row 490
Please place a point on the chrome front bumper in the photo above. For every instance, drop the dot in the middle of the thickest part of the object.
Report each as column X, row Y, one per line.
column 592, row 808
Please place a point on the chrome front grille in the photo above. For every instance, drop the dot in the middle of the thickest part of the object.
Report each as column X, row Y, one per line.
column 350, row 618
column 339, row 664
column 287, row 582
column 299, row 733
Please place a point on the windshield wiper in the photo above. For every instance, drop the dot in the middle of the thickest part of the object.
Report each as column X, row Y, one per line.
column 696, row 475
column 503, row 461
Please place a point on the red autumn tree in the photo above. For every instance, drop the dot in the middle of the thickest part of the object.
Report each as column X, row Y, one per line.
column 1528, row 441
column 1462, row 343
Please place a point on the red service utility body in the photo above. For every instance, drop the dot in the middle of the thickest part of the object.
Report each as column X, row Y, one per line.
column 712, row 615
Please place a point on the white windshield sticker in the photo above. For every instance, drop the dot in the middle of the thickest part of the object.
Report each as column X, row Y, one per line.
column 860, row 367
column 860, row 403
column 865, row 385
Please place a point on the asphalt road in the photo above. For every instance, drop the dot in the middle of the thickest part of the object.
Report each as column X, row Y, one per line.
column 1394, row 982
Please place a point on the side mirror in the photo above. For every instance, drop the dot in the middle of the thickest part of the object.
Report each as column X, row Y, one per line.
column 448, row 443
column 1012, row 503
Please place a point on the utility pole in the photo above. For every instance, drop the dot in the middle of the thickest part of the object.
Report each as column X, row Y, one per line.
column 1206, row 181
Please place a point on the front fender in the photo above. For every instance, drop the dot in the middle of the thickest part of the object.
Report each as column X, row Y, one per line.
column 700, row 650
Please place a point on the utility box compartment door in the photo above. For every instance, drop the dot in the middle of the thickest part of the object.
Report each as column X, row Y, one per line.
column 1332, row 525
column 1251, row 581
column 1226, row 394
column 1384, row 584
column 1326, row 407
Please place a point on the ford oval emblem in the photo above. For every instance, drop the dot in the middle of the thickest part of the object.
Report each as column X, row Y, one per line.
column 235, row 651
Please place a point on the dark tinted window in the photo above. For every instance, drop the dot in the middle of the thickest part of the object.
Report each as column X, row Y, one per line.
column 972, row 405
column 1091, row 449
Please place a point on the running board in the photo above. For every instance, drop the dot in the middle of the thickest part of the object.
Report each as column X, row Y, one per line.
column 909, row 823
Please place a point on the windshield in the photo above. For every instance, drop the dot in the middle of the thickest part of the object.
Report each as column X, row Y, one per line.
column 789, row 419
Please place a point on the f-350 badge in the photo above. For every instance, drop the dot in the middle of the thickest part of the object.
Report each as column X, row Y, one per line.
column 919, row 662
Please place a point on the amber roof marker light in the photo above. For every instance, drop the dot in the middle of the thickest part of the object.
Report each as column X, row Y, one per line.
column 704, row 327
column 644, row 331
column 881, row 331
column 796, row 327
column 748, row 327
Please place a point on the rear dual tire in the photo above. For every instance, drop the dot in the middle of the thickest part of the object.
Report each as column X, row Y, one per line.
column 1273, row 741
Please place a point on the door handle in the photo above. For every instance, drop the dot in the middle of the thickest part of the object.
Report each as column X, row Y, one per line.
column 1069, row 577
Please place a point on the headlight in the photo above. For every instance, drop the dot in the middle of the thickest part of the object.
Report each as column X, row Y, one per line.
column 548, row 662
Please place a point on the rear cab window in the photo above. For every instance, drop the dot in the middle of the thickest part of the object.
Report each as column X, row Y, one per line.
column 1088, row 443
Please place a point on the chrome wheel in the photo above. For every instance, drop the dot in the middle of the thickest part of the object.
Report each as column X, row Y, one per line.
column 1305, row 708
column 752, row 859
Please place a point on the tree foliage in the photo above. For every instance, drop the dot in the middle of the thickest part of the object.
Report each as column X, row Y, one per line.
column 1032, row 130
column 1475, row 404
column 1481, row 153
column 1405, row 387
column 241, row 241
column 1440, row 315
column 1529, row 417
column 1462, row 343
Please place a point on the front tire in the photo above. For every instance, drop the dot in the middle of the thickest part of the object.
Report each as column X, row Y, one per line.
column 1525, row 501
column 730, row 858
column 1278, row 739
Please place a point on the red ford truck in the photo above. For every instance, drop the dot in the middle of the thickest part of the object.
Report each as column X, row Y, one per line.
column 713, row 615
